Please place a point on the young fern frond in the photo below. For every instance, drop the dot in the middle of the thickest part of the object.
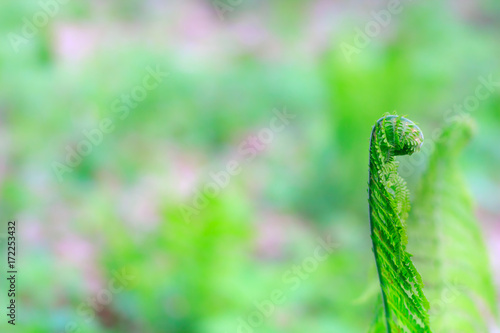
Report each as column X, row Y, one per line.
column 404, row 304
column 447, row 242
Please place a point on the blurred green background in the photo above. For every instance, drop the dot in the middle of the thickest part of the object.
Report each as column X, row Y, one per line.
column 122, row 207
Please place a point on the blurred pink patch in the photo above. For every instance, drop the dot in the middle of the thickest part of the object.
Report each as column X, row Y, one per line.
column 75, row 250
column 272, row 236
column 31, row 230
column 75, row 43
column 186, row 171
column 491, row 230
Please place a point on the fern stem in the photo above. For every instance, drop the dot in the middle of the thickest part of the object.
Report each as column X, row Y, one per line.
column 387, row 313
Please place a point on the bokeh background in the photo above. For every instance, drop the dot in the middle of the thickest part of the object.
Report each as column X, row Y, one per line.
column 122, row 207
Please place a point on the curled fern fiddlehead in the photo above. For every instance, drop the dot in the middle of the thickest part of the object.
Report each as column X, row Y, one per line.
column 404, row 304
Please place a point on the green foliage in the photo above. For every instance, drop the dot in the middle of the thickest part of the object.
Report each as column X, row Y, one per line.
column 405, row 306
column 448, row 246
column 223, row 88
